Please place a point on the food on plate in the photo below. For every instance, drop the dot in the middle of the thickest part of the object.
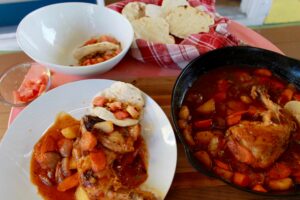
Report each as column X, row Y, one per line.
column 153, row 30
column 91, row 159
column 122, row 104
column 187, row 20
column 134, row 10
column 241, row 123
column 31, row 88
column 97, row 50
column 159, row 24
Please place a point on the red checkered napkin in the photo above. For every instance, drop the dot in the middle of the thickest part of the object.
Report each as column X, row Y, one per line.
column 179, row 55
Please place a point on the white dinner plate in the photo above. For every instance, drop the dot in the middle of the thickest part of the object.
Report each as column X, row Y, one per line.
column 74, row 98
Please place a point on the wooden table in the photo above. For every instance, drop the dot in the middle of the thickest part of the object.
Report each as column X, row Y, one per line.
column 187, row 184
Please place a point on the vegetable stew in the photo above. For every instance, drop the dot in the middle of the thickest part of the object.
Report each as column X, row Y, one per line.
column 235, row 122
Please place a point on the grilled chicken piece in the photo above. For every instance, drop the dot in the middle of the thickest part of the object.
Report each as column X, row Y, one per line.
column 260, row 143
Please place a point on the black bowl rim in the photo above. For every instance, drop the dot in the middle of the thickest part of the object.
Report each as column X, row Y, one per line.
column 186, row 147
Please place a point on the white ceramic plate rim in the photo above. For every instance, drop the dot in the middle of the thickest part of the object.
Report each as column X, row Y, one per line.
column 16, row 145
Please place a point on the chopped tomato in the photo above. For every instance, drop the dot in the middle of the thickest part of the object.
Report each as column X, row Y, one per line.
column 107, row 38
column 121, row 114
column 99, row 101
column 31, row 89
column 91, row 41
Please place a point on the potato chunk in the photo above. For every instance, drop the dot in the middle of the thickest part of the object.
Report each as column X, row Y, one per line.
column 81, row 194
column 70, row 132
column 207, row 108
column 184, row 113
column 281, row 184
column 106, row 126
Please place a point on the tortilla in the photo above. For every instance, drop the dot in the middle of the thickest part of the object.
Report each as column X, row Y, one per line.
column 121, row 92
column 168, row 5
column 153, row 11
column 101, row 47
column 153, row 30
column 134, row 10
column 187, row 20
column 109, row 116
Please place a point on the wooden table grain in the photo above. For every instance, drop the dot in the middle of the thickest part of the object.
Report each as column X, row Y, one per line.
column 188, row 184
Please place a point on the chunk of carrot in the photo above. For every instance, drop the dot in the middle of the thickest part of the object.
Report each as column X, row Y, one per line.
column 121, row 114
column 259, row 188
column 98, row 160
column 279, row 171
column 203, row 123
column 88, row 141
column 99, row 101
column 68, row 183
column 241, row 179
column 222, row 164
column 263, row 72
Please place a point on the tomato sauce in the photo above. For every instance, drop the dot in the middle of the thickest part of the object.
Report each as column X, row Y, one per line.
column 50, row 192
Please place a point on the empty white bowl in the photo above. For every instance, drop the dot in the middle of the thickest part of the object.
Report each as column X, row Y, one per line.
column 50, row 34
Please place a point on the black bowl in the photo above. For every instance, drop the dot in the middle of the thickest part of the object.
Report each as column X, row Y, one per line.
column 286, row 68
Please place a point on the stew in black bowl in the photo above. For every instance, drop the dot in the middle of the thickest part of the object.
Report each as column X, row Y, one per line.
column 237, row 112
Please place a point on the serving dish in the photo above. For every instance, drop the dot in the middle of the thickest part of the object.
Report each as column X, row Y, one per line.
column 17, row 145
column 282, row 66
column 50, row 35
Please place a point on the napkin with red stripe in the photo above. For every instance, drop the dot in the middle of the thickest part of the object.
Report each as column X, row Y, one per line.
column 177, row 56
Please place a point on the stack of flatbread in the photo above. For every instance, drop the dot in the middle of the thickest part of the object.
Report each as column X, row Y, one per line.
column 160, row 24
